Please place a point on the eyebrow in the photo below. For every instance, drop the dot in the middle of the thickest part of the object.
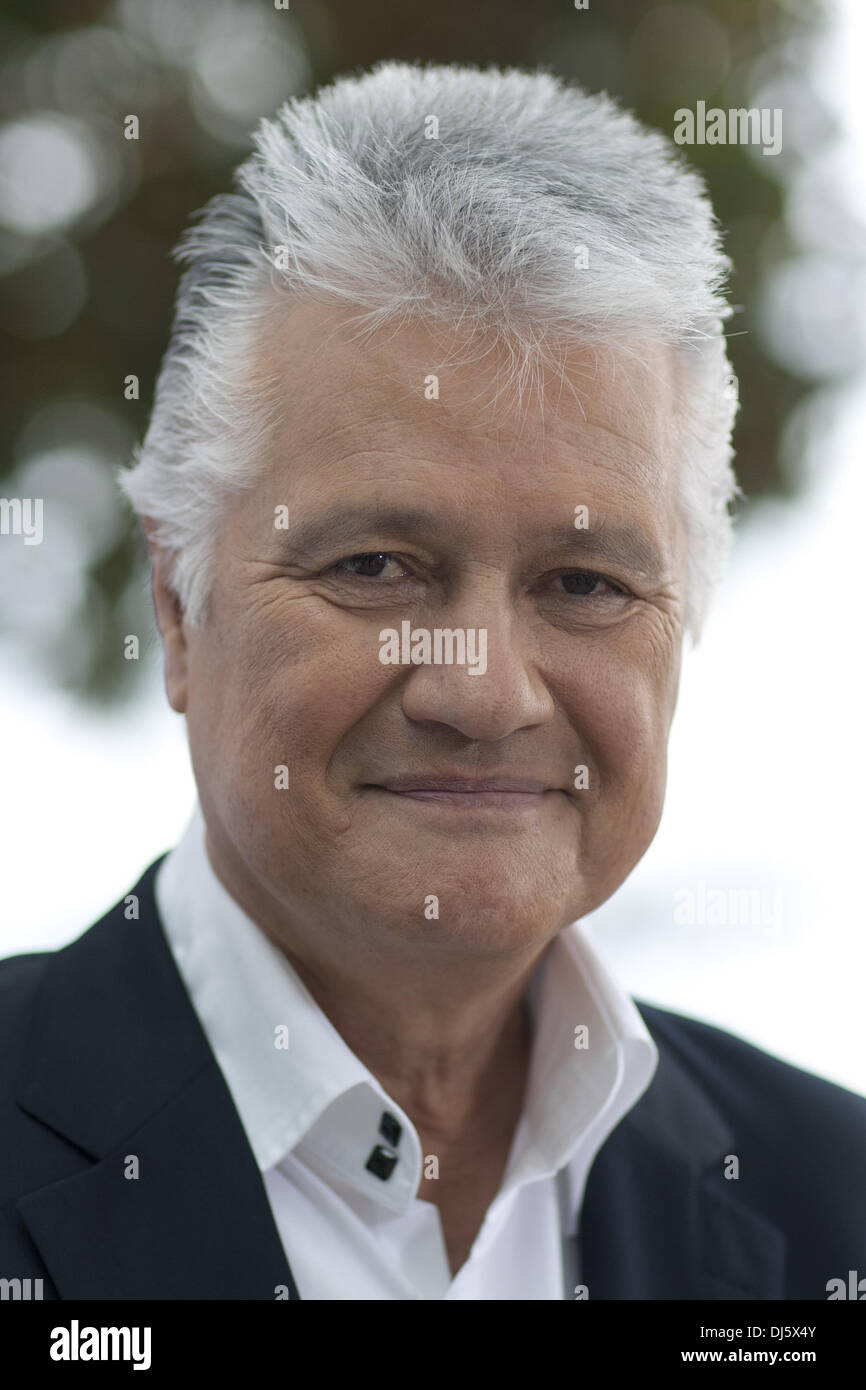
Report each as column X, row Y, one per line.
column 617, row 544
column 338, row 526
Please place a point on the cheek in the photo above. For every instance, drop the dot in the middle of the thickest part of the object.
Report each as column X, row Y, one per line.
column 285, row 686
column 621, row 710
column 622, row 727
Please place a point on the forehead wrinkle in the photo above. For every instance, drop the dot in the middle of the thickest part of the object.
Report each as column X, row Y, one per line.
column 363, row 444
column 372, row 399
column 594, row 434
column 367, row 389
column 381, row 406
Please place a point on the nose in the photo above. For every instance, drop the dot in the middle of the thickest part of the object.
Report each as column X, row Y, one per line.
column 502, row 694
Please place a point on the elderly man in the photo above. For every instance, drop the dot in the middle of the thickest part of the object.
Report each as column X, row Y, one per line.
column 436, row 483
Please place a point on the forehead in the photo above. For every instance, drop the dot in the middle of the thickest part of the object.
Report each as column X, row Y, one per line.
column 432, row 401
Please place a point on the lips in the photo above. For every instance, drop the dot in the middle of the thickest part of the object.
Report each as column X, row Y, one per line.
column 435, row 782
column 503, row 793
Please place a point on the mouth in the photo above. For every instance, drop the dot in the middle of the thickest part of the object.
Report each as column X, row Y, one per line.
column 469, row 793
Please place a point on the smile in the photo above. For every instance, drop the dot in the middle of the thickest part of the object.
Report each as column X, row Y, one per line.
column 513, row 794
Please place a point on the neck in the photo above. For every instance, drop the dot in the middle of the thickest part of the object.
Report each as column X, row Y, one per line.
column 448, row 1036
column 447, row 1062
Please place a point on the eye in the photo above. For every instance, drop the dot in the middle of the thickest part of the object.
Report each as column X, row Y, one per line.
column 588, row 584
column 369, row 565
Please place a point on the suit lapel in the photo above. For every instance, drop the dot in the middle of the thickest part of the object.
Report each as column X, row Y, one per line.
column 659, row 1218
column 141, row 1092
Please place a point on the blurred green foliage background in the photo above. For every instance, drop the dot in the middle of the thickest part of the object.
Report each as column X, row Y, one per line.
column 88, row 219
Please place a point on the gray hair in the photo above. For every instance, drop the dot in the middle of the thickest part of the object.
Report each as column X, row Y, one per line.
column 478, row 224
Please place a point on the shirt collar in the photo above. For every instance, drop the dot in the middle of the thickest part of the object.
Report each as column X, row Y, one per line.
column 297, row 1085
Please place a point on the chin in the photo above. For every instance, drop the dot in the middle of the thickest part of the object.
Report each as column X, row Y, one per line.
column 467, row 913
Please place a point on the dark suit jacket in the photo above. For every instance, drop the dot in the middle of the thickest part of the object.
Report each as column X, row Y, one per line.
column 102, row 1056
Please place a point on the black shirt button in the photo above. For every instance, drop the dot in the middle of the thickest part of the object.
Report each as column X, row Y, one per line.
column 382, row 1162
column 390, row 1129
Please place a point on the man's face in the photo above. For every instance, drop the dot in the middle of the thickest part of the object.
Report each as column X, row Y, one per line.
column 449, row 513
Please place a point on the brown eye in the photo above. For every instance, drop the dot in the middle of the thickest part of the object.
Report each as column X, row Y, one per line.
column 366, row 566
column 583, row 582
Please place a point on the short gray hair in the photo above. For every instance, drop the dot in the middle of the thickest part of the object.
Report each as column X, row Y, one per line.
column 479, row 224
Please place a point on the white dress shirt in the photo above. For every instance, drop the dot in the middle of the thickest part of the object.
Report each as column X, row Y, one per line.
column 313, row 1113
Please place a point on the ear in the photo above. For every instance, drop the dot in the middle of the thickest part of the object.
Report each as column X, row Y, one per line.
column 169, row 618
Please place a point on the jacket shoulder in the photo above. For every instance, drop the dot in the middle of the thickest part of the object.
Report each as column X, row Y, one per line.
column 23, row 976
column 733, row 1070
column 20, row 977
column 26, row 980
column 800, row 1139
